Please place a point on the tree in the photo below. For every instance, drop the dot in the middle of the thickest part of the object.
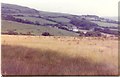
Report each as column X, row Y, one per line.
column 83, row 23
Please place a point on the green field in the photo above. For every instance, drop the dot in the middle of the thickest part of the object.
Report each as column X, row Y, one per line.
column 104, row 24
column 40, row 20
column 61, row 19
column 34, row 29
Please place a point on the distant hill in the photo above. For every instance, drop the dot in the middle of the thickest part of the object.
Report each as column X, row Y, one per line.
column 59, row 23
column 112, row 18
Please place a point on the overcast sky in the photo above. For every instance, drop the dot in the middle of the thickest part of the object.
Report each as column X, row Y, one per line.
column 78, row 7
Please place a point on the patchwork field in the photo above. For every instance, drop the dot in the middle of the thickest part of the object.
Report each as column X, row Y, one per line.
column 56, row 55
column 104, row 24
column 36, row 30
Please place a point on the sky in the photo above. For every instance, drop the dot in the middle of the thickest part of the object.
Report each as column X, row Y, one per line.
column 77, row 7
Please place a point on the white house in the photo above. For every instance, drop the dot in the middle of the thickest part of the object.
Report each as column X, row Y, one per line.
column 75, row 29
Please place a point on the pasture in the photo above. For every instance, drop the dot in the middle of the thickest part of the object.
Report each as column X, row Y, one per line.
column 104, row 24
column 34, row 29
column 40, row 20
column 56, row 55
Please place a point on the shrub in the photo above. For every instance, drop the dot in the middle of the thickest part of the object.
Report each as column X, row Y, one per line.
column 37, row 23
column 93, row 34
column 63, row 27
column 28, row 33
column 46, row 34
column 98, row 29
column 8, row 17
column 12, row 33
column 80, row 33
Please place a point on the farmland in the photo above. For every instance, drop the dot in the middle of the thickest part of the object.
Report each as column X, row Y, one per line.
column 24, row 20
column 56, row 55
column 36, row 30
column 47, row 43
column 104, row 24
column 40, row 20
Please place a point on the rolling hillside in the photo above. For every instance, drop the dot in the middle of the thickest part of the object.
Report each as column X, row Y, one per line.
column 36, row 30
column 36, row 43
column 58, row 23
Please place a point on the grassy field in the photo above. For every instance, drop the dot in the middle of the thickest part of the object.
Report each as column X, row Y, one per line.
column 55, row 55
column 61, row 19
column 34, row 29
column 40, row 20
column 104, row 24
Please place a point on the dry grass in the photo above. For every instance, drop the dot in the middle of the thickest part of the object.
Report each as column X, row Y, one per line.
column 34, row 55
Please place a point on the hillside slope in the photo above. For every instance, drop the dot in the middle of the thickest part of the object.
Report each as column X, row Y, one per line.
column 59, row 21
column 21, row 28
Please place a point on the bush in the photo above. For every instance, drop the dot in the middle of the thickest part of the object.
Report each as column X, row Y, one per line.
column 8, row 17
column 12, row 18
column 63, row 27
column 80, row 33
column 98, row 29
column 93, row 34
column 37, row 23
column 46, row 34
column 12, row 33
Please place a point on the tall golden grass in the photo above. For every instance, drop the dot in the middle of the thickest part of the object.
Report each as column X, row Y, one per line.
column 55, row 55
